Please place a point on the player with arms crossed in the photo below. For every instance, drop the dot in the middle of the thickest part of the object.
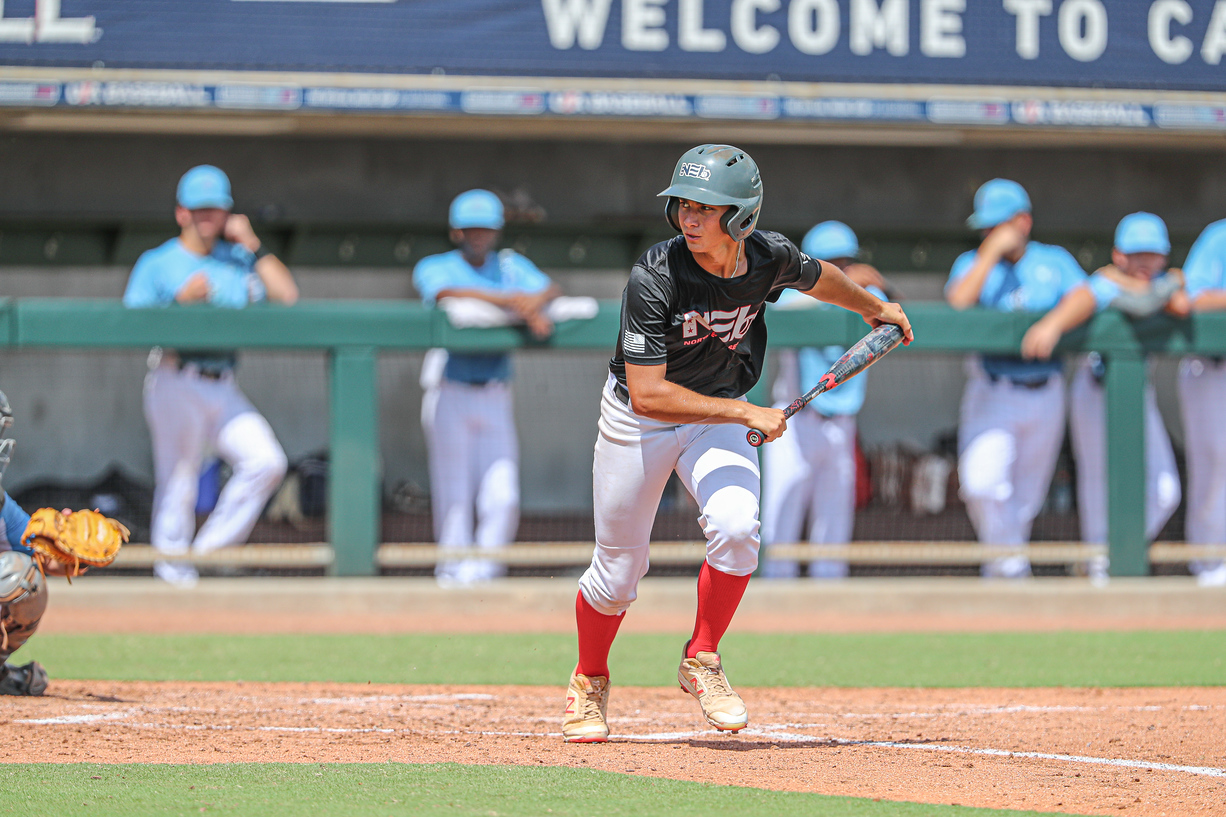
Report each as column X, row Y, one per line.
column 691, row 345
column 1138, row 283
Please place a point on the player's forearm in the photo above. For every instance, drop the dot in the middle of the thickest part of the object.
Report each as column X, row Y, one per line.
column 1211, row 300
column 964, row 293
column 670, row 403
column 489, row 296
column 834, row 287
column 278, row 280
column 1074, row 309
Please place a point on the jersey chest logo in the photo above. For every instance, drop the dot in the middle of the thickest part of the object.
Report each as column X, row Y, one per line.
column 729, row 327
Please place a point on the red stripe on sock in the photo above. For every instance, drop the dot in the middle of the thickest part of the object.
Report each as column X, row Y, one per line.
column 719, row 594
column 596, row 634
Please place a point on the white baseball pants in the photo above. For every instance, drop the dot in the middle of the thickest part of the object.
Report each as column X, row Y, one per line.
column 1088, row 432
column 474, row 466
column 1202, row 396
column 1009, row 438
column 633, row 459
column 810, row 470
column 188, row 415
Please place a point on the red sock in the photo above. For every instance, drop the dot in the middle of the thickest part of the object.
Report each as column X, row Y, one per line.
column 718, row 596
column 596, row 634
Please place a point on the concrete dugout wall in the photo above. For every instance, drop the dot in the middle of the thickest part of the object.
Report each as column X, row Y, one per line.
column 61, row 177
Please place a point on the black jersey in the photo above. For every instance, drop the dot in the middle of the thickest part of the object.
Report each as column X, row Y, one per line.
column 669, row 299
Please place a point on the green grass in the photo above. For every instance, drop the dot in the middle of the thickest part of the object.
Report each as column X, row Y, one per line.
column 379, row 790
column 1075, row 659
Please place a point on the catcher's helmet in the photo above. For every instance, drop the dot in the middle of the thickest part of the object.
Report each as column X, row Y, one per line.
column 717, row 175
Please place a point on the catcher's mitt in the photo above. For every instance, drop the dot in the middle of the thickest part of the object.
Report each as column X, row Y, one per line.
column 81, row 538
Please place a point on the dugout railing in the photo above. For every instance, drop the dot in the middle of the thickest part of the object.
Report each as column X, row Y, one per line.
column 353, row 333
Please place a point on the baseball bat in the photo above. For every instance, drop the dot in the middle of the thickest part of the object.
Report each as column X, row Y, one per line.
column 867, row 351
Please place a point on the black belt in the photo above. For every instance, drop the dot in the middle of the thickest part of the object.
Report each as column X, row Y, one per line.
column 1033, row 385
column 620, row 392
column 207, row 374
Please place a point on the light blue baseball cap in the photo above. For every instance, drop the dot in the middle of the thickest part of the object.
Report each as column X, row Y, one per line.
column 1142, row 232
column 830, row 239
column 204, row 186
column 476, row 208
column 997, row 201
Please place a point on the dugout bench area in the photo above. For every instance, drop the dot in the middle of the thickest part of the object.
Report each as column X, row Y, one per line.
column 353, row 333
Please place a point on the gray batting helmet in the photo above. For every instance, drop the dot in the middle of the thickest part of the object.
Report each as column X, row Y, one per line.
column 717, row 175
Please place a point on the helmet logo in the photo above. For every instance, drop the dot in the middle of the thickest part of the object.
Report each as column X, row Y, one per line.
column 693, row 170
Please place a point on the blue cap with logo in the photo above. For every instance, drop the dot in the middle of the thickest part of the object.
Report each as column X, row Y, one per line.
column 1142, row 232
column 204, row 186
column 997, row 201
column 476, row 208
column 830, row 239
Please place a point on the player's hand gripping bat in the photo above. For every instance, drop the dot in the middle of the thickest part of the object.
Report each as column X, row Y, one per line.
column 867, row 351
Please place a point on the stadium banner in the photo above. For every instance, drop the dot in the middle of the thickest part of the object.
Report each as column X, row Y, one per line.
column 247, row 96
column 554, row 58
column 1137, row 44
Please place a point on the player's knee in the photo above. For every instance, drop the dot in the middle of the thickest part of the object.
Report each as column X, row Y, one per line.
column 610, row 583
column 731, row 514
column 984, row 467
column 23, row 596
column 1167, row 492
column 267, row 468
column 730, row 522
column 499, row 491
column 605, row 598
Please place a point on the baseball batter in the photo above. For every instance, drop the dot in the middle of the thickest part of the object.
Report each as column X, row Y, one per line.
column 467, row 404
column 811, row 472
column 1012, row 414
column 1138, row 284
column 1202, row 393
column 192, row 404
column 692, row 343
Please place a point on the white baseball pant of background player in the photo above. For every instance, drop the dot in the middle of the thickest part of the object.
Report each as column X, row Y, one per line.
column 1202, row 395
column 1088, row 432
column 189, row 414
column 474, row 464
column 810, row 470
column 633, row 460
column 1008, row 440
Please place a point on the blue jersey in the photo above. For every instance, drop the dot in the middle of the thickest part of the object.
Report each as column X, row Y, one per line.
column 1105, row 290
column 845, row 399
column 1040, row 278
column 506, row 271
column 1206, row 264
column 160, row 273
column 13, row 522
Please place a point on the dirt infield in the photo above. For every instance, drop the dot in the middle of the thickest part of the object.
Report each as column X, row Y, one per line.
column 1147, row 752
column 1098, row 751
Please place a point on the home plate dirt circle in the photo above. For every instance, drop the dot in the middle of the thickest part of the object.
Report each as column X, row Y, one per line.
column 1088, row 751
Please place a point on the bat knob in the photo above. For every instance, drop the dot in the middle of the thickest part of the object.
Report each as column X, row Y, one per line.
column 755, row 437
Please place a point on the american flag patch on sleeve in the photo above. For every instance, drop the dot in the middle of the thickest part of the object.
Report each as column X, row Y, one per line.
column 634, row 342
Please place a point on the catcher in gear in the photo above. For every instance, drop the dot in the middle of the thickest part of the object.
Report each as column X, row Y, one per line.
column 51, row 542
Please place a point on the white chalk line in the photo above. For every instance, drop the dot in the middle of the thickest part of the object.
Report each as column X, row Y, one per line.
column 769, row 732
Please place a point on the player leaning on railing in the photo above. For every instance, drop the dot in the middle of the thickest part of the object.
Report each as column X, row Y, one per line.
column 691, row 345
